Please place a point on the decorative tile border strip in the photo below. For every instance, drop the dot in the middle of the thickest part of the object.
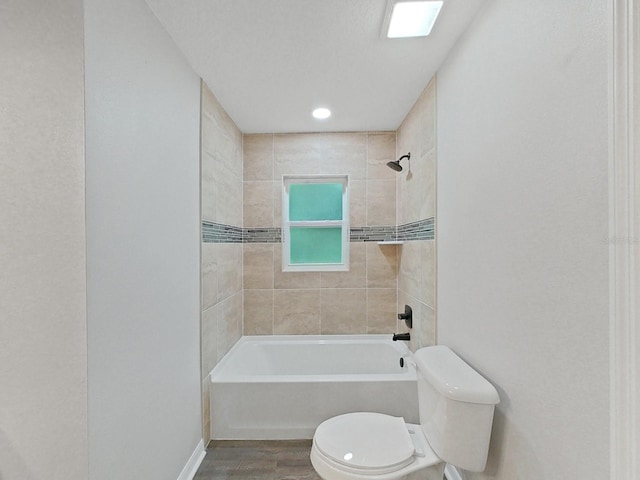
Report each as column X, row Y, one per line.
column 420, row 230
column 262, row 235
column 378, row 233
column 221, row 233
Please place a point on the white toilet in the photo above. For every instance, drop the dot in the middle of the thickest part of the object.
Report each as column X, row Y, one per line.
column 456, row 407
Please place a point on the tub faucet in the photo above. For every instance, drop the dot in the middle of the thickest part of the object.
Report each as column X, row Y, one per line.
column 401, row 336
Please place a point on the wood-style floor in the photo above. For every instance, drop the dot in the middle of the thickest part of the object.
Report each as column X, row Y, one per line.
column 257, row 460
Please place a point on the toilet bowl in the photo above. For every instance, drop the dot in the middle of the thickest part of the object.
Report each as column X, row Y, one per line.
column 456, row 412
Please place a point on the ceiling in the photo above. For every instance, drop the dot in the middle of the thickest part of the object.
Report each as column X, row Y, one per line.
column 271, row 62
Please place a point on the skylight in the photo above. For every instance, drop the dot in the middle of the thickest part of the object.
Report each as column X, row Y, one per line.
column 413, row 18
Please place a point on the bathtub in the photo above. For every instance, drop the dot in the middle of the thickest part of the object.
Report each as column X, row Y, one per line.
column 283, row 387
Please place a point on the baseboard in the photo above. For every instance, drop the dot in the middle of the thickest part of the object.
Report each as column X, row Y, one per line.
column 190, row 469
column 452, row 473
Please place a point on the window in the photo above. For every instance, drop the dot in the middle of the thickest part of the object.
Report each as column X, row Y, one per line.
column 315, row 223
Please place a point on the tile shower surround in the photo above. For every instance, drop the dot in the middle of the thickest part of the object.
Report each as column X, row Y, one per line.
column 366, row 298
column 241, row 216
column 221, row 202
column 359, row 301
column 220, row 233
column 417, row 199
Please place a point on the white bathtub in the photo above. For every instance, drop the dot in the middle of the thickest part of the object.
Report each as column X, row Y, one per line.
column 283, row 387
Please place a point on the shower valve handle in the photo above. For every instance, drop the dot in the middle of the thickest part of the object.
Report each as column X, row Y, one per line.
column 407, row 316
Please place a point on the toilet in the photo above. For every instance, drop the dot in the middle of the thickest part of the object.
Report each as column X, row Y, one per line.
column 456, row 406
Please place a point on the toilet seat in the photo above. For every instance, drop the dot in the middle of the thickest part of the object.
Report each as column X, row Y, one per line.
column 384, row 448
column 365, row 443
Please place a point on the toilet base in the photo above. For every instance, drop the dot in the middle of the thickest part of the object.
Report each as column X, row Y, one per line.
column 434, row 472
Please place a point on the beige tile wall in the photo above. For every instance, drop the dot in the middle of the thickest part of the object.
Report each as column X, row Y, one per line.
column 221, row 193
column 244, row 290
column 362, row 300
column 416, row 187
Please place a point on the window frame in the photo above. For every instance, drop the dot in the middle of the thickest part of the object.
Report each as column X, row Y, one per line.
column 287, row 266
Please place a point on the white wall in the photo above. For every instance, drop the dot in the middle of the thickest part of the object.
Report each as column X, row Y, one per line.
column 142, row 142
column 522, row 229
column 43, row 358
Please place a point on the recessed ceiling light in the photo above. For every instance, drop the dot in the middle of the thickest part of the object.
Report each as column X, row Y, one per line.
column 322, row 113
column 412, row 18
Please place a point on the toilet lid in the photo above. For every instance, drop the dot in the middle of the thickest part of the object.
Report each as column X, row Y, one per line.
column 366, row 441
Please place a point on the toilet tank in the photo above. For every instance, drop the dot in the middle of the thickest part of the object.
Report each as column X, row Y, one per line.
column 456, row 407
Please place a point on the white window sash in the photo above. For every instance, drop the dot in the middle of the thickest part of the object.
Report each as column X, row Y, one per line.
column 287, row 224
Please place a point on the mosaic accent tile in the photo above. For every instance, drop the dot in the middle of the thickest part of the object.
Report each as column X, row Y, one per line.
column 378, row 233
column 420, row 230
column 221, row 233
column 262, row 235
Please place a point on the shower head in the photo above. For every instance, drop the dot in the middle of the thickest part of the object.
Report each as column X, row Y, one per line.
column 395, row 165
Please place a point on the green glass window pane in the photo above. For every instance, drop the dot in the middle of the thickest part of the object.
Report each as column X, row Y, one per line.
column 315, row 201
column 316, row 245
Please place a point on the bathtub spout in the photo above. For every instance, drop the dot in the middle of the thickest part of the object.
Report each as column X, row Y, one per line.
column 401, row 336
